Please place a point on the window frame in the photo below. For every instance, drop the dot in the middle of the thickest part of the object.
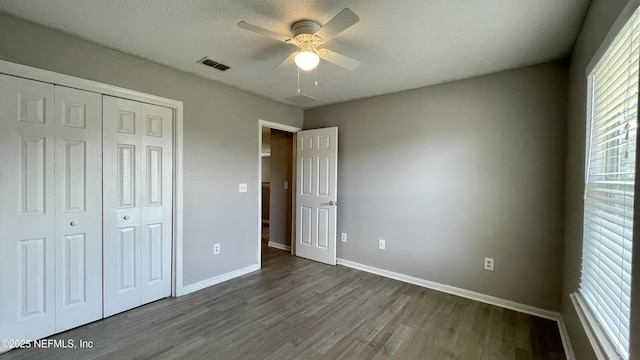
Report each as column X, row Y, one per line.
column 603, row 347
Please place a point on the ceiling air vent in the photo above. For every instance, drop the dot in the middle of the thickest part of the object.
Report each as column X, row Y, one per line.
column 214, row 64
column 301, row 99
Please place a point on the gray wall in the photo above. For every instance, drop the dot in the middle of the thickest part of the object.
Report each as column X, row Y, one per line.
column 220, row 138
column 281, row 171
column 599, row 19
column 453, row 173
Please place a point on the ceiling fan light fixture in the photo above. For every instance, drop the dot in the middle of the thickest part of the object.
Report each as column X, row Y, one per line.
column 308, row 35
column 307, row 60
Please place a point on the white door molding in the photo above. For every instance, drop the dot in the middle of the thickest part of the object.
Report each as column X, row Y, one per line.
column 289, row 129
column 27, row 72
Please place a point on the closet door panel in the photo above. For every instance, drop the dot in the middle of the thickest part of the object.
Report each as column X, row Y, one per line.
column 27, row 223
column 123, row 153
column 156, row 202
column 78, row 193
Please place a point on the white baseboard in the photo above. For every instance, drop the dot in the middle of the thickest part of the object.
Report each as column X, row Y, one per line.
column 279, row 246
column 566, row 341
column 218, row 279
column 487, row 299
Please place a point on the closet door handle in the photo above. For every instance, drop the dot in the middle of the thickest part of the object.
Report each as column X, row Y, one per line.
column 73, row 223
column 126, row 217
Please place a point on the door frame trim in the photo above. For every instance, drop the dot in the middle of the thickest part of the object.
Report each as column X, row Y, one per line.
column 292, row 130
column 46, row 76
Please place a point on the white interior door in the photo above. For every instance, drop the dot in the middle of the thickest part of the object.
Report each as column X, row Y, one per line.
column 27, row 223
column 157, row 201
column 78, row 209
column 316, row 199
column 121, row 204
column 137, row 203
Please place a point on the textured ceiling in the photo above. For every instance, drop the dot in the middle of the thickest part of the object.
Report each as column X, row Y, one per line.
column 401, row 44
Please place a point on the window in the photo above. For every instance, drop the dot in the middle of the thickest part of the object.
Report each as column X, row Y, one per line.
column 609, row 185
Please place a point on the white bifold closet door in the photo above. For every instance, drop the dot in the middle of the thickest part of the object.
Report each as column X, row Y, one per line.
column 137, row 141
column 50, row 208
column 78, row 212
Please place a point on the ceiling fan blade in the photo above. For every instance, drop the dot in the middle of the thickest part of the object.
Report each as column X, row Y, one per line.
column 340, row 60
column 338, row 24
column 286, row 62
column 264, row 32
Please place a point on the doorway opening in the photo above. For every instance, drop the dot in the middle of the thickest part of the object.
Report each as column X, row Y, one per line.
column 276, row 169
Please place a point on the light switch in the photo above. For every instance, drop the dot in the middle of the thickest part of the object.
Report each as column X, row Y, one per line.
column 286, row 185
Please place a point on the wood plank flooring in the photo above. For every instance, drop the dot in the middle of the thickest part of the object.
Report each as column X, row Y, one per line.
column 299, row 309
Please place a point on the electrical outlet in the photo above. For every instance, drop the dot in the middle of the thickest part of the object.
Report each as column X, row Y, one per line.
column 381, row 244
column 488, row 263
column 216, row 249
column 344, row 237
column 286, row 185
column 242, row 188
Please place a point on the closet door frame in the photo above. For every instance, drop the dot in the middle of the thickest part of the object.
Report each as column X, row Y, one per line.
column 27, row 72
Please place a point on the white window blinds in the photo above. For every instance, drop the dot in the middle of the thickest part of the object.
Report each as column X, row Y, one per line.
column 609, row 190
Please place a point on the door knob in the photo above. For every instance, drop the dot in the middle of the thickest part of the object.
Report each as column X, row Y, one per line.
column 331, row 203
column 126, row 217
column 73, row 223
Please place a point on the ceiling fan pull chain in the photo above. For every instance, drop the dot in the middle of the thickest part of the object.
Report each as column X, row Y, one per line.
column 316, row 82
column 298, row 80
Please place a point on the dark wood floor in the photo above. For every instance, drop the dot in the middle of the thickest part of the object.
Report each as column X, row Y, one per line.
column 299, row 309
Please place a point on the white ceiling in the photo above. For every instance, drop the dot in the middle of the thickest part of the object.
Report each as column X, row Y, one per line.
column 401, row 44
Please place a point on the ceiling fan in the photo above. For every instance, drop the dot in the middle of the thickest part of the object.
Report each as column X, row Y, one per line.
column 308, row 35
